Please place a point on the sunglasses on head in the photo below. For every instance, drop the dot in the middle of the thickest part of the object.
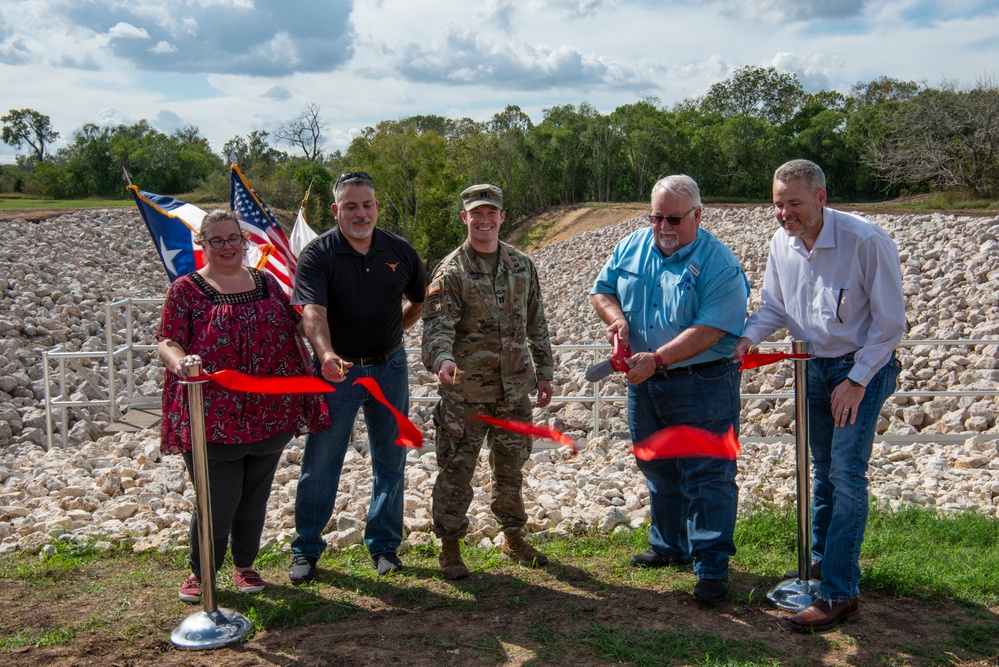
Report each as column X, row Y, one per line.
column 354, row 176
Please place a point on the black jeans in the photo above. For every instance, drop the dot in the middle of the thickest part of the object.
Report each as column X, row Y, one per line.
column 239, row 478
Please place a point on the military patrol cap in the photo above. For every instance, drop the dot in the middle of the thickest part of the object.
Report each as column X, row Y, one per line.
column 477, row 195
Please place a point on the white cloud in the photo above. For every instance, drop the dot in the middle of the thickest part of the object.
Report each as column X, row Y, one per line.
column 122, row 30
column 14, row 51
column 233, row 66
column 168, row 122
column 277, row 93
column 84, row 62
column 814, row 72
column 163, row 47
column 467, row 57
column 777, row 11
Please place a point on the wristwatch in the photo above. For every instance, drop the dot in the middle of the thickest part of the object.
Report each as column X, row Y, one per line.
column 660, row 364
column 854, row 382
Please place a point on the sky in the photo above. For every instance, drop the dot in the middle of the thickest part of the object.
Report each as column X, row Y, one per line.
column 229, row 67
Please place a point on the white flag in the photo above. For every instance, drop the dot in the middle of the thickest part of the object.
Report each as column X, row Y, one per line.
column 302, row 234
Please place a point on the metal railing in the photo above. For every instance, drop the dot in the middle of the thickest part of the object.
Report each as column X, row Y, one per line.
column 130, row 349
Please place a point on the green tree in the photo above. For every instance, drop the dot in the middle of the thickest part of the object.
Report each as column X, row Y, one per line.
column 645, row 134
column 415, row 180
column 254, row 154
column 944, row 138
column 563, row 169
column 759, row 92
column 27, row 126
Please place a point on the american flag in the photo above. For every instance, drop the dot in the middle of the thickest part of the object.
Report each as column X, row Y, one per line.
column 272, row 243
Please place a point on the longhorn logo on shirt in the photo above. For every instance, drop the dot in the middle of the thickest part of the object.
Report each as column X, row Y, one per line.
column 392, row 266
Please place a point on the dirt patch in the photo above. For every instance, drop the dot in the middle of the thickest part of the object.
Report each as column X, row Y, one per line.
column 34, row 215
column 563, row 222
column 567, row 614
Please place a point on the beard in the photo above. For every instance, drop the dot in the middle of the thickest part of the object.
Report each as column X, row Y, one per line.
column 360, row 234
column 667, row 242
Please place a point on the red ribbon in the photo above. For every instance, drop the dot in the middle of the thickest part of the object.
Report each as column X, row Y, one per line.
column 236, row 381
column 757, row 359
column 687, row 441
column 524, row 428
column 409, row 435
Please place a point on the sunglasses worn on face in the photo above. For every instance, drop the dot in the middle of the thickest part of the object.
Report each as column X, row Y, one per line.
column 354, row 176
column 673, row 220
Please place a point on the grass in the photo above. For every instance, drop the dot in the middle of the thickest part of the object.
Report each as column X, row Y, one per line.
column 678, row 646
column 944, row 201
column 18, row 202
column 588, row 607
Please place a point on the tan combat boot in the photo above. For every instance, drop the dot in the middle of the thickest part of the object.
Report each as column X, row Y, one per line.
column 520, row 551
column 452, row 566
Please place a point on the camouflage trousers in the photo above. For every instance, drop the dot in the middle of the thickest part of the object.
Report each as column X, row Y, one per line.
column 459, row 440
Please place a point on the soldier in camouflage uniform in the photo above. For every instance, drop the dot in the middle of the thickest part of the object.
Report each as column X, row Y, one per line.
column 485, row 336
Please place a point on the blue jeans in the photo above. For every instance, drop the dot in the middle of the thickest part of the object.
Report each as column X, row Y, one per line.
column 324, row 453
column 839, row 470
column 693, row 500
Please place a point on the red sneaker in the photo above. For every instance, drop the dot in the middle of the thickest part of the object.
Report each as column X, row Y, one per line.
column 248, row 581
column 190, row 591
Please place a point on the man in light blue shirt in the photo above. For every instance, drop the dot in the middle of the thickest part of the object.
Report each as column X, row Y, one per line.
column 833, row 280
column 678, row 296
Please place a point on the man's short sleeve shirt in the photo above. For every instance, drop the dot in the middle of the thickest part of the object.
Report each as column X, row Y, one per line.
column 701, row 283
column 362, row 293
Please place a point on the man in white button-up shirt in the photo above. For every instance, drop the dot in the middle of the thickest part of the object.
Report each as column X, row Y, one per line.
column 833, row 280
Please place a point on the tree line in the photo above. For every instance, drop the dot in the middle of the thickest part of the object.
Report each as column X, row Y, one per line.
column 885, row 138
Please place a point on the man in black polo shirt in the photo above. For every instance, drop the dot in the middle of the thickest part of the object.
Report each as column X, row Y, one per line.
column 351, row 282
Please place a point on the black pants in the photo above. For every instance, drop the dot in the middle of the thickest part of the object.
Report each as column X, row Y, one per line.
column 239, row 478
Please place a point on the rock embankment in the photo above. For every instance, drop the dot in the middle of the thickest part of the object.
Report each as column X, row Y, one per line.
column 57, row 275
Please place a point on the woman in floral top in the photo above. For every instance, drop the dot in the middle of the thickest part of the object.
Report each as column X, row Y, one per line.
column 227, row 316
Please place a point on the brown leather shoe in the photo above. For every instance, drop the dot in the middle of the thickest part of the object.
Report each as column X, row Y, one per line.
column 815, row 572
column 822, row 615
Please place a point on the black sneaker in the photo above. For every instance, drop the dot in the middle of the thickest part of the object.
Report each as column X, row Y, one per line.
column 711, row 591
column 303, row 569
column 653, row 558
column 386, row 562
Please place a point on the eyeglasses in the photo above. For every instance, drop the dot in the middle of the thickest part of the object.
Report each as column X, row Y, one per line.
column 673, row 220
column 235, row 241
column 354, row 176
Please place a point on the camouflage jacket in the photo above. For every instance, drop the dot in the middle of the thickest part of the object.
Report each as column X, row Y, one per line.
column 492, row 326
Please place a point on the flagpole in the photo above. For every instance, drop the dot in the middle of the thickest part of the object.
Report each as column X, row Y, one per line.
column 308, row 191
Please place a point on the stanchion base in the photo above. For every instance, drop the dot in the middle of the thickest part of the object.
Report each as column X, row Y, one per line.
column 794, row 594
column 205, row 630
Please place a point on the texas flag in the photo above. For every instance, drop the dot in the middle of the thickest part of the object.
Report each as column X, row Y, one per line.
column 173, row 224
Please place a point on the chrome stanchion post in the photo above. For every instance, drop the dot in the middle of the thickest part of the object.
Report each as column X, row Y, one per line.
column 213, row 627
column 797, row 594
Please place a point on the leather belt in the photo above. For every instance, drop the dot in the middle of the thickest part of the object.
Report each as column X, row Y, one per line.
column 688, row 370
column 364, row 362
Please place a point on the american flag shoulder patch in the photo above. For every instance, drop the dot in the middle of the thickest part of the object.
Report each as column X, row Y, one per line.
column 433, row 287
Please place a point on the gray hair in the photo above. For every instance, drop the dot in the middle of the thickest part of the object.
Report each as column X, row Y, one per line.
column 806, row 169
column 679, row 184
column 213, row 218
column 357, row 180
